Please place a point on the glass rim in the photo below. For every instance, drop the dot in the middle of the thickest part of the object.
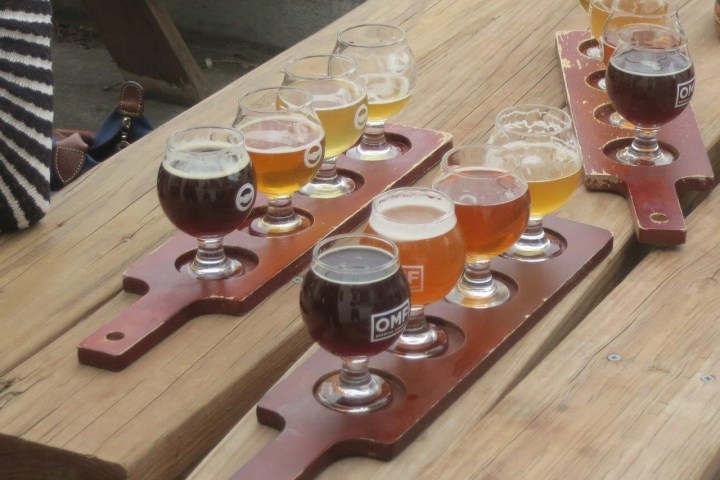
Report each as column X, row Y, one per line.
column 403, row 35
column 671, row 10
column 444, row 166
column 173, row 140
column 625, row 31
column 446, row 214
column 394, row 251
column 566, row 118
column 292, row 107
column 296, row 60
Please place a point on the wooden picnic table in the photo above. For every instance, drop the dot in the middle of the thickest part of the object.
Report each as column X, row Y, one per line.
column 553, row 406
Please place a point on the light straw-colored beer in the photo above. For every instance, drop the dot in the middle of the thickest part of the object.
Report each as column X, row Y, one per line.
column 432, row 252
column 599, row 12
column 552, row 172
column 492, row 209
column 387, row 95
column 286, row 151
column 342, row 108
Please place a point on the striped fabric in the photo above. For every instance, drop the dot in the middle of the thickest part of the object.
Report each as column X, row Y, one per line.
column 26, row 112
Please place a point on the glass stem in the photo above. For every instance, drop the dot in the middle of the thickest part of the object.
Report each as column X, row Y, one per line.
column 477, row 277
column 374, row 134
column 645, row 145
column 210, row 253
column 417, row 323
column 327, row 174
column 355, row 372
column 534, row 235
column 280, row 210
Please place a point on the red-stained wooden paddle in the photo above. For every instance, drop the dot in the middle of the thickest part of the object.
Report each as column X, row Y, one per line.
column 312, row 436
column 171, row 298
column 651, row 190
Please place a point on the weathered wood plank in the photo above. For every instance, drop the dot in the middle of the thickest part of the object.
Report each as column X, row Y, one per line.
column 61, row 280
column 597, row 208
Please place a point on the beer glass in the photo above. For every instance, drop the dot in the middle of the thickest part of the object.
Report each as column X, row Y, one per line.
column 650, row 81
column 492, row 206
column 340, row 101
column 206, row 187
column 599, row 11
column 542, row 137
column 354, row 301
column 387, row 66
column 632, row 12
column 422, row 223
column 285, row 140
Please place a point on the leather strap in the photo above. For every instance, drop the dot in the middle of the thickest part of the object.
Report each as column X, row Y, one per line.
column 69, row 157
column 132, row 101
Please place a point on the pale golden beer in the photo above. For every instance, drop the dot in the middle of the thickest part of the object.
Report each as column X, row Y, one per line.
column 285, row 140
column 432, row 252
column 285, row 151
column 340, row 101
column 552, row 172
column 387, row 95
column 599, row 12
column 343, row 110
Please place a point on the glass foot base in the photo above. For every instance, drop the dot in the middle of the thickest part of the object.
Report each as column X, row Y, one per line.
column 425, row 344
column 630, row 157
column 260, row 227
column 230, row 268
column 480, row 299
column 536, row 253
column 594, row 52
column 332, row 188
column 371, row 153
column 355, row 399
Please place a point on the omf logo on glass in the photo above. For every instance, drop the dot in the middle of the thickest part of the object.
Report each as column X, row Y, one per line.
column 389, row 323
column 415, row 275
column 684, row 92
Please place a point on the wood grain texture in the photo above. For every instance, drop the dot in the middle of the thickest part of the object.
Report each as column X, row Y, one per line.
column 650, row 413
column 61, row 280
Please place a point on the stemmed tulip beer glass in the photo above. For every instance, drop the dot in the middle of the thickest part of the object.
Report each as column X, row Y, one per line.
column 387, row 66
column 422, row 223
column 650, row 81
column 339, row 99
column 206, row 187
column 492, row 205
column 542, row 137
column 634, row 12
column 285, row 140
column 355, row 303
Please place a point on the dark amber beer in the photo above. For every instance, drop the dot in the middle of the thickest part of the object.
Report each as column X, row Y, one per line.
column 212, row 198
column 650, row 87
column 349, row 316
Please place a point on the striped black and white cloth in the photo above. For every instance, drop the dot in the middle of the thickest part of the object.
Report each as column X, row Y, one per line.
column 26, row 112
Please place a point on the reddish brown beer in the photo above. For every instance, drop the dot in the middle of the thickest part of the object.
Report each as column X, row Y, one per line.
column 353, row 315
column 208, row 197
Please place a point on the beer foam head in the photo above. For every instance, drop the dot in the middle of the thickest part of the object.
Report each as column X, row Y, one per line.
column 355, row 265
column 203, row 158
column 281, row 133
column 332, row 93
column 384, row 87
column 410, row 217
column 545, row 160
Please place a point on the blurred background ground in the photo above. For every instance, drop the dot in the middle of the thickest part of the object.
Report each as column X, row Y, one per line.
column 87, row 81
